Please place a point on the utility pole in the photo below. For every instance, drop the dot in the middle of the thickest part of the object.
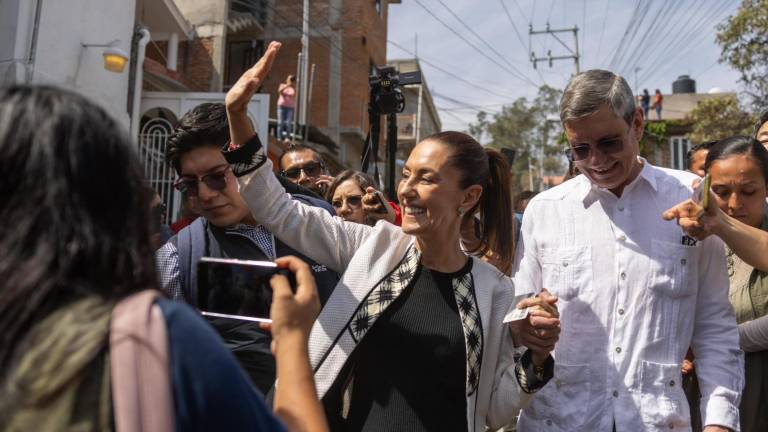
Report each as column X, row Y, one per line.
column 304, row 81
column 574, row 53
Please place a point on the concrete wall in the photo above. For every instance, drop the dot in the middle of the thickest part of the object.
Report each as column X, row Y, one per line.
column 60, row 58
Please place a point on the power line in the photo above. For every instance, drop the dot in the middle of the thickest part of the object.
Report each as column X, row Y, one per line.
column 475, row 47
column 602, row 31
column 451, row 74
column 522, row 43
column 481, row 39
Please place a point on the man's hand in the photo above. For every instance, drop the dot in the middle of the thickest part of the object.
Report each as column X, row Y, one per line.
column 541, row 329
column 238, row 97
column 322, row 183
column 374, row 209
column 292, row 314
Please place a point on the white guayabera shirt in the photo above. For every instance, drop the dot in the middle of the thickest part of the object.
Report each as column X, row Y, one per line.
column 635, row 293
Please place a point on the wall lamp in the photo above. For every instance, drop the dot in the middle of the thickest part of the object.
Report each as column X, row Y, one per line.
column 115, row 58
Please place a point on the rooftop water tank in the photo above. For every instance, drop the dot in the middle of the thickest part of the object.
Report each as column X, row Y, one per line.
column 684, row 84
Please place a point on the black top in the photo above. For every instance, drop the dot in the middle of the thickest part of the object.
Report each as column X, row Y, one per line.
column 410, row 369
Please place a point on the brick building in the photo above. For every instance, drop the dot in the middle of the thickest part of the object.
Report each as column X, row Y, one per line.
column 346, row 38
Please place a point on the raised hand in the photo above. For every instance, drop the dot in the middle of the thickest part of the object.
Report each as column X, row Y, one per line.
column 373, row 207
column 238, row 97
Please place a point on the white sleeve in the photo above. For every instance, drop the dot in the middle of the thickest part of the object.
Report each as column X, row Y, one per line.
column 310, row 230
column 719, row 361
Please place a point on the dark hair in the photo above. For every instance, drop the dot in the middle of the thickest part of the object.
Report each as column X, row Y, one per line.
column 698, row 147
column 75, row 209
column 204, row 125
column 739, row 145
column 297, row 147
column 760, row 121
column 525, row 195
column 362, row 179
column 488, row 168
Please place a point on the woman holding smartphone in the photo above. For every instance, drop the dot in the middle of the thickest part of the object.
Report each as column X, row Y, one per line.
column 380, row 361
column 738, row 168
column 354, row 197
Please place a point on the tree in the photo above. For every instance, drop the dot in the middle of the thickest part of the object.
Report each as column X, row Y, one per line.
column 528, row 128
column 743, row 39
column 719, row 118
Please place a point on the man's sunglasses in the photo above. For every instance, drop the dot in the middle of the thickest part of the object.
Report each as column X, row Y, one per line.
column 216, row 181
column 582, row 151
column 312, row 169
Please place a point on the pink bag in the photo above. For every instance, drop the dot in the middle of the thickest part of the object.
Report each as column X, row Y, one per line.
column 141, row 382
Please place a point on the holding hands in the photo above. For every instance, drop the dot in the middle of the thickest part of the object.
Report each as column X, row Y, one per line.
column 540, row 330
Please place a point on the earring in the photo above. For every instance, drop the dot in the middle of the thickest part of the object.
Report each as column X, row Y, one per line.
column 461, row 211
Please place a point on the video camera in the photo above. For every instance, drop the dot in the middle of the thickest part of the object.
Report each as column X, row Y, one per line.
column 385, row 87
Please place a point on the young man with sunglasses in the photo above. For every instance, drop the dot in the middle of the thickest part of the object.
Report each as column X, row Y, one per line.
column 634, row 291
column 304, row 166
column 226, row 229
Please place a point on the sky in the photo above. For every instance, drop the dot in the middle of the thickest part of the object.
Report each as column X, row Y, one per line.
column 649, row 42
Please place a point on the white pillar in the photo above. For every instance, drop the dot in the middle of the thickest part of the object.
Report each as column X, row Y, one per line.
column 173, row 52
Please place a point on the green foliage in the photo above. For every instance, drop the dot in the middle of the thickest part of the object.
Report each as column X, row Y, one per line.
column 718, row 118
column 527, row 127
column 653, row 134
column 743, row 40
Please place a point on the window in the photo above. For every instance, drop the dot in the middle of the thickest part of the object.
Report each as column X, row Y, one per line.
column 241, row 55
column 678, row 147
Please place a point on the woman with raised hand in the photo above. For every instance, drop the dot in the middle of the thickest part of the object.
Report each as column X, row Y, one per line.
column 76, row 249
column 413, row 336
column 738, row 167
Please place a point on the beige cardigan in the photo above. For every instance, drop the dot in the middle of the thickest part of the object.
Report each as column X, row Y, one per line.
column 366, row 255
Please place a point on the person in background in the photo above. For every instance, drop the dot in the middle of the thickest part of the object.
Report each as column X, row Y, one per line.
column 188, row 214
column 738, row 167
column 77, row 247
column 645, row 102
column 304, row 166
column 697, row 156
column 520, row 202
column 353, row 195
column 226, row 229
column 761, row 129
column 161, row 231
column 286, row 107
column 658, row 100
column 381, row 363
column 636, row 291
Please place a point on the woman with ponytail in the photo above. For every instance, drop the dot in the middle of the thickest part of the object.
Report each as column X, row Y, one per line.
column 412, row 337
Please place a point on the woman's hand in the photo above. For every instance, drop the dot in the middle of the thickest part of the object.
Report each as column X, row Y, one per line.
column 292, row 314
column 238, row 97
column 541, row 329
column 374, row 209
column 696, row 221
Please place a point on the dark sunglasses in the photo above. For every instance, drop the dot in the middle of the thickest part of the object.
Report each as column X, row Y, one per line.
column 312, row 169
column 582, row 152
column 216, row 181
column 353, row 201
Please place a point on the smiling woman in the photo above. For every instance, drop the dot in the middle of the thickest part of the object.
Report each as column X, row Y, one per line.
column 380, row 362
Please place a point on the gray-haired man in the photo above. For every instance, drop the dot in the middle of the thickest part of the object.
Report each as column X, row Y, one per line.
column 635, row 292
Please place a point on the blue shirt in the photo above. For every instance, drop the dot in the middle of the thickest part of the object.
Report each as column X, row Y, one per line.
column 210, row 390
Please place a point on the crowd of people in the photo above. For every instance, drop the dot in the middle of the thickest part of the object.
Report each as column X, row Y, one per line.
column 615, row 301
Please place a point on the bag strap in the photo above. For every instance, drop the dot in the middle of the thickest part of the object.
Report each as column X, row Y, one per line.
column 141, row 382
column 191, row 246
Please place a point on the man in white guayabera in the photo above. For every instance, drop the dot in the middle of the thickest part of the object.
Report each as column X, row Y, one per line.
column 635, row 292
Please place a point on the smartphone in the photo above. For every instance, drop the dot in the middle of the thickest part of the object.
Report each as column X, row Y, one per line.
column 234, row 289
column 701, row 193
column 382, row 201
